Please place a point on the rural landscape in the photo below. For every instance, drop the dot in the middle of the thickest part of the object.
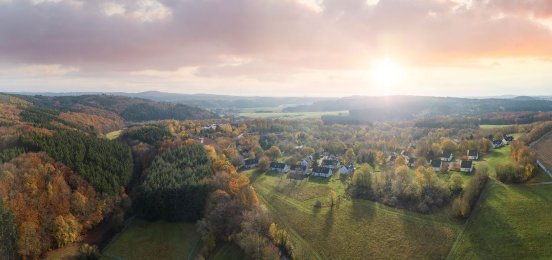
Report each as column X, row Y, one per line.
column 115, row 177
column 275, row 129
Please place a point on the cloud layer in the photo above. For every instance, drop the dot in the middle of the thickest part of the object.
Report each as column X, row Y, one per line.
column 266, row 39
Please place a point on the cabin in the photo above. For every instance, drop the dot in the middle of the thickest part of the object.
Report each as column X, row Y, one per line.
column 251, row 163
column 298, row 169
column 279, row 167
column 497, row 144
column 473, row 155
column 332, row 164
column 304, row 163
column 446, row 156
column 411, row 162
column 508, row 139
column 405, row 155
column 322, row 171
column 347, row 169
column 436, row 164
column 466, row 166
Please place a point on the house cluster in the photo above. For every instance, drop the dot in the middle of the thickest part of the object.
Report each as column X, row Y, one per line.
column 327, row 167
column 410, row 160
column 506, row 140
column 448, row 157
column 213, row 127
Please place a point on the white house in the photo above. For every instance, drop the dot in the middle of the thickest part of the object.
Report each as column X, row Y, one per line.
column 446, row 156
column 466, row 166
column 498, row 144
column 405, row 155
column 332, row 164
column 473, row 155
column 322, row 171
column 279, row 167
column 346, row 169
column 411, row 162
column 436, row 164
column 298, row 168
column 304, row 163
column 508, row 139
column 250, row 163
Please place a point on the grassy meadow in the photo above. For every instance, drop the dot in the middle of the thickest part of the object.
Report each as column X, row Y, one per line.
column 493, row 126
column 510, row 221
column 353, row 229
column 155, row 240
column 289, row 115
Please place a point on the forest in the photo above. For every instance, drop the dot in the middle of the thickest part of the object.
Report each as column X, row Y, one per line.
column 106, row 165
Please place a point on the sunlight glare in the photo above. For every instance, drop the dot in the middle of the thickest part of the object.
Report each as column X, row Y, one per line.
column 387, row 73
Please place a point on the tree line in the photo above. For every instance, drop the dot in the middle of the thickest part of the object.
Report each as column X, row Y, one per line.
column 106, row 165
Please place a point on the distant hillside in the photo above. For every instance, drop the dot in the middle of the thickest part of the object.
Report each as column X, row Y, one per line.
column 205, row 100
column 409, row 107
column 130, row 109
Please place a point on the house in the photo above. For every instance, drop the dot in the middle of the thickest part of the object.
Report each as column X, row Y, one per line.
column 446, row 156
column 279, row 167
column 508, row 139
column 322, row 171
column 332, row 164
column 466, row 166
column 250, row 163
column 411, row 161
column 473, row 155
column 498, row 144
column 390, row 159
column 405, row 155
column 347, row 169
column 298, row 168
column 436, row 164
column 304, row 163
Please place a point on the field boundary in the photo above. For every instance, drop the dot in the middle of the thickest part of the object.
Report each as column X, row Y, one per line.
column 476, row 209
column 541, row 165
column 127, row 224
column 538, row 140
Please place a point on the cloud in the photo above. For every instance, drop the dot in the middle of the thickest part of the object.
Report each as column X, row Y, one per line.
column 275, row 35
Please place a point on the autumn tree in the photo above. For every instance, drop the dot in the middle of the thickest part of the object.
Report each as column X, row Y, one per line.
column 400, row 161
column 273, row 153
column 51, row 204
column 350, row 156
column 65, row 229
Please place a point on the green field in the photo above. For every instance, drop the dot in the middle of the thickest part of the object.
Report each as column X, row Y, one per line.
column 227, row 252
column 290, row 115
column 113, row 135
column 354, row 229
column 510, row 221
column 494, row 157
column 493, row 126
column 155, row 240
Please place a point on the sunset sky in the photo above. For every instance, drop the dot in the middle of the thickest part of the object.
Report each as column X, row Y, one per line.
column 278, row 47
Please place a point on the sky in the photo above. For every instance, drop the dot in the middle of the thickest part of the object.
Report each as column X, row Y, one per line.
column 278, row 47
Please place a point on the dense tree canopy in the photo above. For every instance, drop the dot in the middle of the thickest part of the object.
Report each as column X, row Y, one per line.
column 8, row 233
column 51, row 204
column 153, row 135
column 176, row 186
column 106, row 165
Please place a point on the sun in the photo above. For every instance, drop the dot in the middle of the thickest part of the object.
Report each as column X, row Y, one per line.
column 387, row 73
